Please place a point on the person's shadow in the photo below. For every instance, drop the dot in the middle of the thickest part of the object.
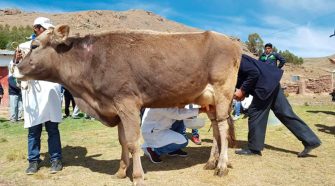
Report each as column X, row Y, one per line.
column 241, row 144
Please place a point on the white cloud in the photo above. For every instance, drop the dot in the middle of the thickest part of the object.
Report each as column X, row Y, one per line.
column 275, row 21
column 303, row 41
column 306, row 41
column 313, row 6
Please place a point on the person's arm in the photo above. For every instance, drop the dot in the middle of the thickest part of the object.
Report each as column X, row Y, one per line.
column 252, row 73
column 281, row 60
column 181, row 113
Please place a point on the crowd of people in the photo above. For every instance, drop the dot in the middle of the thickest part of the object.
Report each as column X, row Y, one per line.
column 163, row 129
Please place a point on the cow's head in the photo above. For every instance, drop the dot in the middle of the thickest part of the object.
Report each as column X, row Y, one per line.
column 41, row 60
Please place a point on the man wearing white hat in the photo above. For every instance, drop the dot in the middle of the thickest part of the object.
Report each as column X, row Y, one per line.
column 42, row 105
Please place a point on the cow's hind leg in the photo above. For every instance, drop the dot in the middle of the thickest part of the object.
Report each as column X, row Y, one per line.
column 222, row 166
column 214, row 156
column 130, row 119
column 223, row 97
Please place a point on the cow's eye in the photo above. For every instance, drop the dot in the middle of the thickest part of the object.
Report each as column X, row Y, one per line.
column 34, row 46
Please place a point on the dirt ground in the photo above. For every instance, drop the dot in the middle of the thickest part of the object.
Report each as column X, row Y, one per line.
column 91, row 156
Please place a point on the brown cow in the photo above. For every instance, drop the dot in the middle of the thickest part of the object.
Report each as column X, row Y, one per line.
column 113, row 75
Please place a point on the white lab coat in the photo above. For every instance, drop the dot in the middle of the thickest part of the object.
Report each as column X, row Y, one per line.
column 41, row 103
column 156, row 124
column 41, row 100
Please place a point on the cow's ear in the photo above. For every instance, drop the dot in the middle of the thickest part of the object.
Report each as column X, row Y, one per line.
column 62, row 31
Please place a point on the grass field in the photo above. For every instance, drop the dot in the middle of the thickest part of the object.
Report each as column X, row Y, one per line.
column 91, row 155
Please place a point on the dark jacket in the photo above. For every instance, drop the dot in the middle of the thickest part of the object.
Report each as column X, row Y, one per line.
column 272, row 59
column 257, row 78
column 13, row 89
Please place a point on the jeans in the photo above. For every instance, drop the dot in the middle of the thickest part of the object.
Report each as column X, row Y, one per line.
column 16, row 108
column 237, row 108
column 34, row 142
column 177, row 126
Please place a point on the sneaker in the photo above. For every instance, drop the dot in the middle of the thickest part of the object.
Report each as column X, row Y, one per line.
column 32, row 168
column 196, row 139
column 178, row 153
column 152, row 155
column 236, row 117
column 56, row 166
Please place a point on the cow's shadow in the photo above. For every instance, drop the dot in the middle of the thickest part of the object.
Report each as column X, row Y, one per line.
column 77, row 156
column 321, row 111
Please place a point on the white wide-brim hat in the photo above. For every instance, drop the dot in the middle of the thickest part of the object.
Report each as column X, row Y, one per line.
column 43, row 21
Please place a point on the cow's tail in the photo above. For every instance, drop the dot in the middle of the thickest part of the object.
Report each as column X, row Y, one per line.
column 231, row 133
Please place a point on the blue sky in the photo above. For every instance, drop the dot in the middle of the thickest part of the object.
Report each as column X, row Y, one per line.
column 301, row 26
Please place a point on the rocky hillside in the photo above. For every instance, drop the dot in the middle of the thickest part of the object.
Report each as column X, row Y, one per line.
column 99, row 21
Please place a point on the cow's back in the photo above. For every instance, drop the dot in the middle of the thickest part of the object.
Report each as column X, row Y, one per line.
column 169, row 69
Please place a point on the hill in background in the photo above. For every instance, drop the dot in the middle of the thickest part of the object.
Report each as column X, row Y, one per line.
column 96, row 21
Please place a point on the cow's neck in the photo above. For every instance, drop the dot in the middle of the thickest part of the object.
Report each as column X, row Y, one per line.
column 74, row 72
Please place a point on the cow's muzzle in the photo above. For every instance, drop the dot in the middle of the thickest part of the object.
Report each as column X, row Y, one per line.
column 16, row 72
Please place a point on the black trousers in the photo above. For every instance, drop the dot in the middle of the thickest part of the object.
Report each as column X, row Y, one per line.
column 68, row 99
column 258, row 117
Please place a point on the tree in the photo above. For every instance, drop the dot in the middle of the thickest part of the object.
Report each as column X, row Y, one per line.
column 255, row 44
column 15, row 34
column 291, row 58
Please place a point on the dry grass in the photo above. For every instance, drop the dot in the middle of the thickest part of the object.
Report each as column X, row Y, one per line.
column 91, row 156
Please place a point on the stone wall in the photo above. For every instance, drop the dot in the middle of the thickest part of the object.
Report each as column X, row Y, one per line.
column 309, row 85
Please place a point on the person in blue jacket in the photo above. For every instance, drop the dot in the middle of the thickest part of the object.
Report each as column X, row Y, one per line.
column 270, row 57
column 262, row 81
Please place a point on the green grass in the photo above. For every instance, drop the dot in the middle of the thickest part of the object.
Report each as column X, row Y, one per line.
column 91, row 153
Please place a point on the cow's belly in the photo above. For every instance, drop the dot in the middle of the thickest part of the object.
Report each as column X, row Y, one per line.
column 203, row 96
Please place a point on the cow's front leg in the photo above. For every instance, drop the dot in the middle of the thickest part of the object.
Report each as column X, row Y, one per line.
column 124, row 162
column 130, row 119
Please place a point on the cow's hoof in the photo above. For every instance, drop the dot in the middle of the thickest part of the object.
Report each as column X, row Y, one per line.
column 221, row 172
column 139, row 182
column 210, row 165
column 229, row 165
column 121, row 174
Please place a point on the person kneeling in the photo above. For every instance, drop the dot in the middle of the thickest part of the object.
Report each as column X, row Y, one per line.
column 163, row 131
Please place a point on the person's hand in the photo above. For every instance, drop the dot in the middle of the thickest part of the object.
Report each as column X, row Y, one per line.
column 1, row 96
column 239, row 95
column 18, row 55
